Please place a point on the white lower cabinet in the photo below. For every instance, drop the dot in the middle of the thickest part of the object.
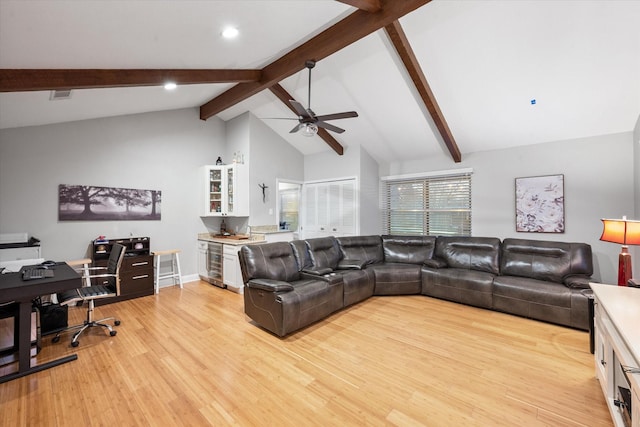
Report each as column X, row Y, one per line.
column 232, row 276
column 617, row 351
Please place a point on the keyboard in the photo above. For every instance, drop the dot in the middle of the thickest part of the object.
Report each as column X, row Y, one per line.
column 36, row 273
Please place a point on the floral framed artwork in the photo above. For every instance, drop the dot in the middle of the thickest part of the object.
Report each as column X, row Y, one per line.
column 540, row 204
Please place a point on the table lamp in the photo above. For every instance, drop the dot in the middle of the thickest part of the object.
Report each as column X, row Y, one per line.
column 625, row 232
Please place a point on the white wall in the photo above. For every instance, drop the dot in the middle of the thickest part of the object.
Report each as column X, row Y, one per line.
column 597, row 185
column 154, row 151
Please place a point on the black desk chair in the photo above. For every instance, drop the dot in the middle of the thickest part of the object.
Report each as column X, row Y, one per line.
column 109, row 288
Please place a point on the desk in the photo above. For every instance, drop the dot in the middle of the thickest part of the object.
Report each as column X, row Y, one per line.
column 13, row 288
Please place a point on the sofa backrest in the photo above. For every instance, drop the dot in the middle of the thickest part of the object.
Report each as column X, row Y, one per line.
column 274, row 261
column 301, row 252
column 364, row 248
column 471, row 253
column 544, row 260
column 324, row 252
column 408, row 249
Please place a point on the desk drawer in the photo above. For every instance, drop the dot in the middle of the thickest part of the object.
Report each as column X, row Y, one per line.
column 138, row 263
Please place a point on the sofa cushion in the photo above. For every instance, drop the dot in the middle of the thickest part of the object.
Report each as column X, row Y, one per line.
column 470, row 253
column 364, row 248
column 537, row 291
column 408, row 249
column 396, row 278
column 459, row 284
column 273, row 261
column 542, row 300
column 544, row 260
column 358, row 285
column 324, row 252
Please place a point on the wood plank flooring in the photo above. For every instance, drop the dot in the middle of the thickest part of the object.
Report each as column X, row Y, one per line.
column 190, row 357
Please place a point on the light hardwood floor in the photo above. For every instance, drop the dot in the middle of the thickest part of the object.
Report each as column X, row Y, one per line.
column 190, row 357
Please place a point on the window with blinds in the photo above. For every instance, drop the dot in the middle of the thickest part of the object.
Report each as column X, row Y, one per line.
column 436, row 206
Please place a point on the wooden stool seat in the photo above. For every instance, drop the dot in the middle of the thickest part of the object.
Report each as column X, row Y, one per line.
column 175, row 267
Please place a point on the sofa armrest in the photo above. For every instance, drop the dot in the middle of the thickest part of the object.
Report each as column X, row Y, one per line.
column 318, row 271
column 435, row 263
column 331, row 278
column 270, row 285
column 351, row 264
column 577, row 282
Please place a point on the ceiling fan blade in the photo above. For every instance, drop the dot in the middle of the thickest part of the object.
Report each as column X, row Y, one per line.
column 328, row 126
column 337, row 116
column 279, row 118
column 297, row 128
column 299, row 109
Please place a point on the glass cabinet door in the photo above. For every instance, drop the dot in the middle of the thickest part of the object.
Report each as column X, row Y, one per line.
column 230, row 190
column 215, row 190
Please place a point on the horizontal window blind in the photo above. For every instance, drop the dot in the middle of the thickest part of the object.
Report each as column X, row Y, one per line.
column 436, row 206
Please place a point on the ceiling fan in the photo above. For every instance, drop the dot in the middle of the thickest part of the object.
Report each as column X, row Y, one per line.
column 308, row 121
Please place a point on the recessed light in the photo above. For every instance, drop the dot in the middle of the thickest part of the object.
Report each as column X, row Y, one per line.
column 170, row 86
column 230, row 32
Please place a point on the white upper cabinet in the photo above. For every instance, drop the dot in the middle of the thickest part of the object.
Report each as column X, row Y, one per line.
column 226, row 190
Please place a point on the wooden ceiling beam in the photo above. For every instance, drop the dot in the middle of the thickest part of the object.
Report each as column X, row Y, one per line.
column 402, row 46
column 370, row 6
column 349, row 30
column 285, row 97
column 22, row 80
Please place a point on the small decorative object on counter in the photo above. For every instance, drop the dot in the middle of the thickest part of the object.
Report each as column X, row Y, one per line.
column 219, row 161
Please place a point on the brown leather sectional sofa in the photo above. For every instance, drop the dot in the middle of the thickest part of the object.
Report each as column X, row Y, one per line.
column 289, row 285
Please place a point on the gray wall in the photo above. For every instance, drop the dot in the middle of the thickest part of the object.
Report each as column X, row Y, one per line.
column 156, row 151
column 597, row 185
column 272, row 158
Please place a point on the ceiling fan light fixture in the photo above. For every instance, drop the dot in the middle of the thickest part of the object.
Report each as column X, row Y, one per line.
column 309, row 129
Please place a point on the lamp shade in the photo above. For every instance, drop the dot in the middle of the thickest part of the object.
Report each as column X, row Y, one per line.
column 622, row 231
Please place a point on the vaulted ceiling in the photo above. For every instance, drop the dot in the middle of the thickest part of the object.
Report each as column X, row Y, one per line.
column 427, row 78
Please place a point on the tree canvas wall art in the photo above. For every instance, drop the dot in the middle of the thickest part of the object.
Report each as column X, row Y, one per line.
column 540, row 204
column 87, row 203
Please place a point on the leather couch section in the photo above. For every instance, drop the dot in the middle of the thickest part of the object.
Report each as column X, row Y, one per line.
column 550, row 261
column 275, row 261
column 367, row 249
column 291, row 285
column 470, row 253
column 324, row 253
column 408, row 249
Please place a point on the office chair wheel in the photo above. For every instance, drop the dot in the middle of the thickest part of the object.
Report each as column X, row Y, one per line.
column 75, row 343
column 117, row 323
column 113, row 333
column 55, row 339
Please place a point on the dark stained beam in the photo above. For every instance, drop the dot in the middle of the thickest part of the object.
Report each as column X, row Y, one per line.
column 285, row 97
column 402, row 46
column 371, row 6
column 21, row 80
column 349, row 30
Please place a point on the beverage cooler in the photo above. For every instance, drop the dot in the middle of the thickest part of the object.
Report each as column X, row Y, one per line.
column 210, row 262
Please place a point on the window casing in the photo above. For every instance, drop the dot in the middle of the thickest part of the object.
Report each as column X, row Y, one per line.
column 428, row 205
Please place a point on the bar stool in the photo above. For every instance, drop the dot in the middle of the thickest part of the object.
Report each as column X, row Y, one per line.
column 175, row 268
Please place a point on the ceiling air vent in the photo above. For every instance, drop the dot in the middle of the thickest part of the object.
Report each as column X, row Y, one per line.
column 60, row 94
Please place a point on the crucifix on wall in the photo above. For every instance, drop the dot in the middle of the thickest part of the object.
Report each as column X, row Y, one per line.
column 264, row 187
